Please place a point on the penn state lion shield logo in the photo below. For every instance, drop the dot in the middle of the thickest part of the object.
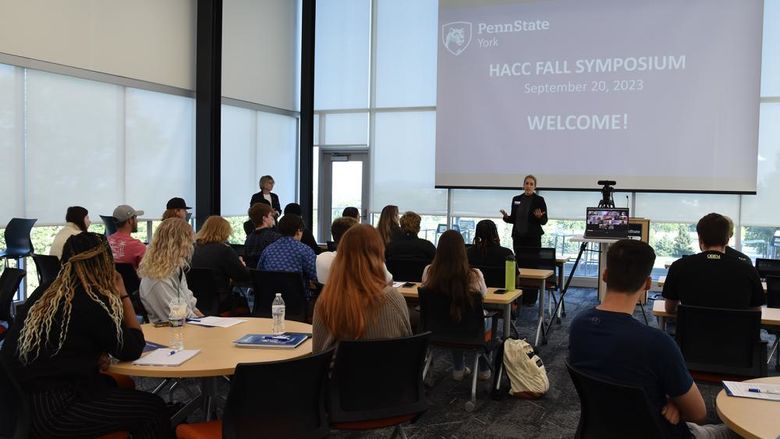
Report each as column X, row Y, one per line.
column 456, row 36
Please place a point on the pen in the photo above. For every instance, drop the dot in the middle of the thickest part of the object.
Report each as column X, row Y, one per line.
column 771, row 392
column 172, row 353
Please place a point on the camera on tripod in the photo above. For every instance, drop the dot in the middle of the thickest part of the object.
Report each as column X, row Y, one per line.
column 606, row 193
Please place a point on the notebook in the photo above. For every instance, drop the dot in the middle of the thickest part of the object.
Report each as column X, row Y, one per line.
column 288, row 340
column 166, row 357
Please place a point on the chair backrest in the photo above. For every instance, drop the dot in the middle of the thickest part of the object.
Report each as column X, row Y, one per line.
column 406, row 270
column 203, row 283
column 435, row 317
column 378, row 379
column 612, row 410
column 238, row 248
column 17, row 236
column 48, row 268
column 110, row 223
column 494, row 276
column 709, row 345
column 9, row 283
column 267, row 283
column 773, row 291
column 129, row 276
column 14, row 411
column 331, row 246
column 531, row 257
column 768, row 267
column 278, row 399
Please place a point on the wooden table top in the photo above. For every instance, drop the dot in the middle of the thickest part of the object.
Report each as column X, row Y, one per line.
column 750, row 418
column 490, row 298
column 769, row 316
column 218, row 355
column 534, row 273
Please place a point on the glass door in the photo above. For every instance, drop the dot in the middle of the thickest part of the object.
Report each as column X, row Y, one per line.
column 343, row 182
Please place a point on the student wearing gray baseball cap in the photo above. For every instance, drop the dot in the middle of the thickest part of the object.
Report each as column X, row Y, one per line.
column 125, row 248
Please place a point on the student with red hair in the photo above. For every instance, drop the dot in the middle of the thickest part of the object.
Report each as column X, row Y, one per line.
column 358, row 302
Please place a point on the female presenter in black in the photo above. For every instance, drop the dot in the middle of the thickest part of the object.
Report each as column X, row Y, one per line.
column 529, row 214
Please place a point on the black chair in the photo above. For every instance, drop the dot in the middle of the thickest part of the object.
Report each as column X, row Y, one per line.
column 712, row 347
column 407, row 270
column 203, row 283
column 9, row 283
column 468, row 334
column 612, row 410
column 767, row 267
column 495, row 277
column 267, row 283
column 17, row 240
column 378, row 383
column 331, row 246
column 238, row 248
column 132, row 284
column 773, row 301
column 14, row 412
column 284, row 399
column 48, row 268
column 110, row 223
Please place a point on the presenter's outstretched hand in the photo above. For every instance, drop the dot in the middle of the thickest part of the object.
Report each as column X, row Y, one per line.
column 538, row 213
column 503, row 212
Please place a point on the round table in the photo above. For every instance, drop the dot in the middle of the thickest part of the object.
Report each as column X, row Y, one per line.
column 748, row 417
column 218, row 356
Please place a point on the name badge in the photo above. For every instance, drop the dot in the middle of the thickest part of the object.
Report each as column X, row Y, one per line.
column 518, row 202
column 713, row 256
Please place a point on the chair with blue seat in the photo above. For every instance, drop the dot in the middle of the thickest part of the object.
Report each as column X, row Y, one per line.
column 9, row 283
column 18, row 244
column 48, row 267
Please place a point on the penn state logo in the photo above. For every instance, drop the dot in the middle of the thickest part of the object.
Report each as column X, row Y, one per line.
column 456, row 36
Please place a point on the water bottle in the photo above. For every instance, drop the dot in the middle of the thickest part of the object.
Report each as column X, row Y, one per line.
column 177, row 314
column 510, row 276
column 277, row 311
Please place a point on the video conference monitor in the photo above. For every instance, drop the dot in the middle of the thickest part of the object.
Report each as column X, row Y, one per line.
column 603, row 222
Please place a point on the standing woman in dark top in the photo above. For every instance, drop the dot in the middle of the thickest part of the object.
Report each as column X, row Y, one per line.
column 529, row 214
column 487, row 250
column 266, row 196
column 388, row 225
column 57, row 349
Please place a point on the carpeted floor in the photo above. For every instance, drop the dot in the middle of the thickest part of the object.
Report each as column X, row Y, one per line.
column 553, row 416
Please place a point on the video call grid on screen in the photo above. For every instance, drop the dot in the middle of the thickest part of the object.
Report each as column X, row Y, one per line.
column 603, row 222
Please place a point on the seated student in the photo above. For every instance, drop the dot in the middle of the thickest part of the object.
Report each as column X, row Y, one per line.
column 60, row 371
column 264, row 233
column 325, row 259
column 711, row 278
column 450, row 274
column 733, row 252
column 162, row 270
column 358, row 302
column 606, row 341
column 388, row 226
column 176, row 208
column 409, row 246
column 351, row 212
column 126, row 249
column 487, row 250
column 77, row 221
column 212, row 251
column 288, row 253
column 308, row 237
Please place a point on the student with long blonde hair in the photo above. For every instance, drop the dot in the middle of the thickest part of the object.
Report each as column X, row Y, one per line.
column 162, row 270
column 358, row 302
column 57, row 347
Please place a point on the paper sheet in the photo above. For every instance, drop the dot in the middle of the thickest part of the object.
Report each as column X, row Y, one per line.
column 219, row 322
column 769, row 392
column 166, row 357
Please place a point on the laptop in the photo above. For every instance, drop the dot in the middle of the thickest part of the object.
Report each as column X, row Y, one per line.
column 602, row 222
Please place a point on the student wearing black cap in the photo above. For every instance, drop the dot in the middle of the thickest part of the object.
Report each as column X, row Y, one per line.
column 176, row 208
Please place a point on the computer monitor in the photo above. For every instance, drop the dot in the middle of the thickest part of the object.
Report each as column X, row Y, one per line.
column 601, row 222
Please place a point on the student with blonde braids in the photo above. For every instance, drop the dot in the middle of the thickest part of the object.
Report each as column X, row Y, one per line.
column 162, row 270
column 56, row 350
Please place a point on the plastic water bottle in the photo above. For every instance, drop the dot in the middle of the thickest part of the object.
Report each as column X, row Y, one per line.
column 177, row 314
column 510, row 276
column 277, row 312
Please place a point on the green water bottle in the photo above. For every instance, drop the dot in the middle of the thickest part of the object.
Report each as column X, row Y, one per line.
column 510, row 277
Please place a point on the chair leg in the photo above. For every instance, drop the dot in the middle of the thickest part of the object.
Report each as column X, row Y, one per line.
column 428, row 360
column 161, row 385
column 773, row 351
column 398, row 432
column 472, row 403
column 643, row 313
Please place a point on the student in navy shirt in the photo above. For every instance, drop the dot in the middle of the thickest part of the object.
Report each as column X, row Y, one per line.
column 608, row 342
column 288, row 253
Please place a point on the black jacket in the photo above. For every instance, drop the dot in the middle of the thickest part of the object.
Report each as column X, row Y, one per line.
column 258, row 198
column 534, row 224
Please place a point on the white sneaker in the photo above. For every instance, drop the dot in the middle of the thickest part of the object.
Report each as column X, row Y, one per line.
column 458, row 375
column 484, row 375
